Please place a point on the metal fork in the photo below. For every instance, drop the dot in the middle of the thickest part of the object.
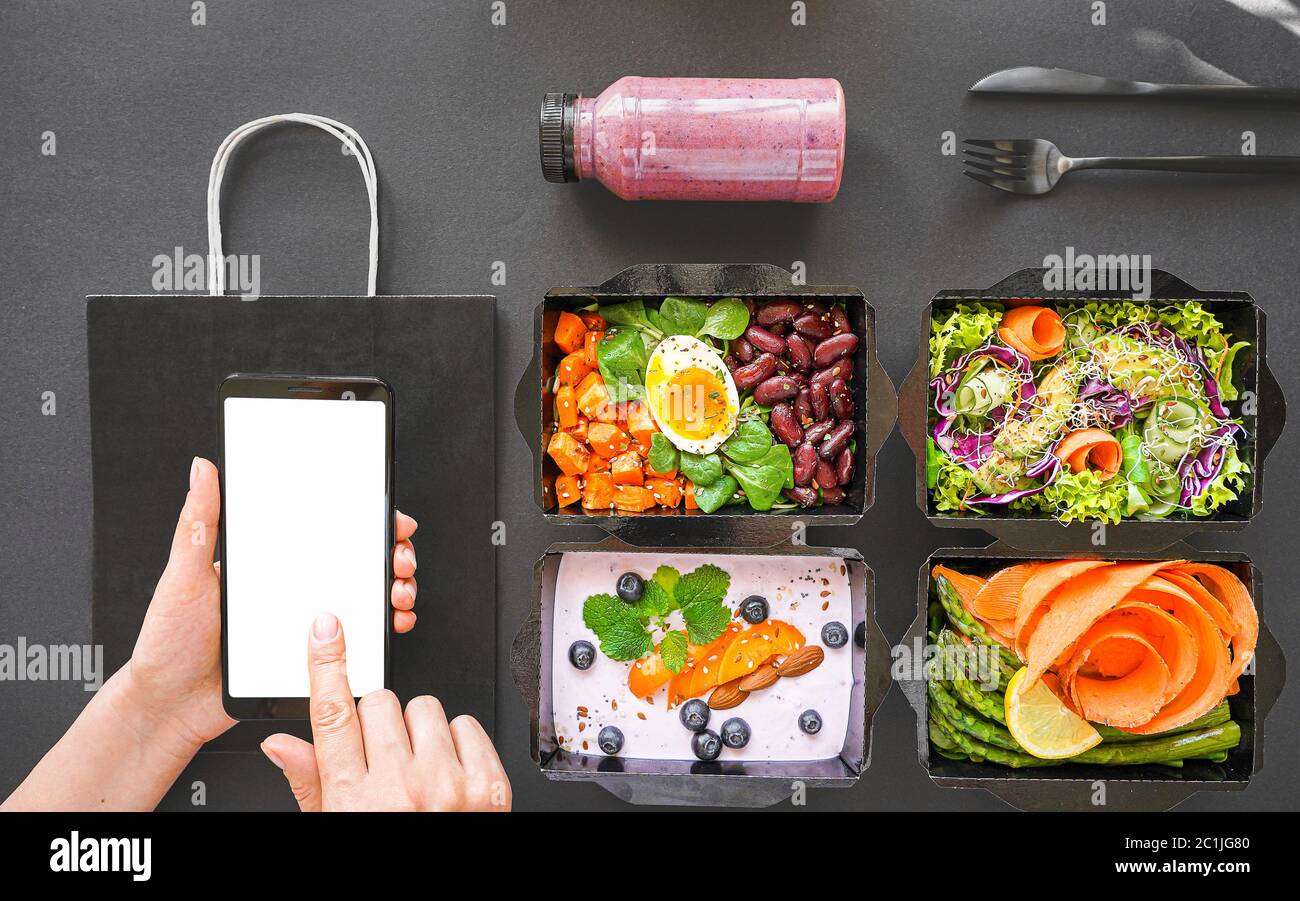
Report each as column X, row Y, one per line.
column 1034, row 166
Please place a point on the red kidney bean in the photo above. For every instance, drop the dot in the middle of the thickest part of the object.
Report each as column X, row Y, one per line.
column 805, row 464
column 743, row 350
column 818, row 430
column 761, row 369
column 777, row 388
column 777, row 311
column 833, row 349
column 764, row 340
column 820, row 398
column 832, row 496
column 844, row 466
column 835, row 441
column 749, row 305
column 825, row 475
column 804, row 497
column 781, row 329
column 841, row 399
column 786, row 426
column 816, row 307
column 842, row 369
column 730, row 361
column 840, row 320
column 800, row 379
column 813, row 327
column 800, row 351
column 803, row 406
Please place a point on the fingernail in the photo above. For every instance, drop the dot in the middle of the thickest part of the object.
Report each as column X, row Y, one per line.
column 325, row 627
column 410, row 589
column 408, row 555
column 194, row 471
column 272, row 756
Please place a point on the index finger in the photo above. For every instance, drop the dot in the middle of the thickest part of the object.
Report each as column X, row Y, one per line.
column 340, row 750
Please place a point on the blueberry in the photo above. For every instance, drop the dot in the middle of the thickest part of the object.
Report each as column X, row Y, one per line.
column 834, row 635
column 582, row 654
column 630, row 587
column 610, row 740
column 860, row 635
column 735, row 733
column 695, row 715
column 706, row 745
column 753, row 609
column 810, row 721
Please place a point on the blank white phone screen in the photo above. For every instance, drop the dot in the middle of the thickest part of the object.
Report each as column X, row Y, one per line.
column 306, row 527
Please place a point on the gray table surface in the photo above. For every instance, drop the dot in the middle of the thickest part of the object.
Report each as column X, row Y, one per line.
column 139, row 97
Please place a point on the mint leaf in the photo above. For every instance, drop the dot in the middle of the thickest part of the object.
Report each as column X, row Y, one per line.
column 708, row 583
column 705, row 620
column 617, row 626
column 673, row 651
column 667, row 578
column 655, row 601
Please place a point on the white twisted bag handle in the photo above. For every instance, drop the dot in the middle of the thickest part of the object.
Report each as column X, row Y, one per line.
column 345, row 133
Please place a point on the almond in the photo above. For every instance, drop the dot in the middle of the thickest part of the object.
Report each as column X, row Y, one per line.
column 804, row 660
column 727, row 695
column 763, row 677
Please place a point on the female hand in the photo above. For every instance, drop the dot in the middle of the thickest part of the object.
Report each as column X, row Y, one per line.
column 367, row 756
column 175, row 669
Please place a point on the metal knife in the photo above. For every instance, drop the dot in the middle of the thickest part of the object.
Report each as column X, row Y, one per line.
column 1044, row 80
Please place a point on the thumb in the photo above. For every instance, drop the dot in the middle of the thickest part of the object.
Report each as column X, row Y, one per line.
column 195, row 541
column 297, row 759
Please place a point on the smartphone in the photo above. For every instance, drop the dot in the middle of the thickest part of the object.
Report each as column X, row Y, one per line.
column 306, row 468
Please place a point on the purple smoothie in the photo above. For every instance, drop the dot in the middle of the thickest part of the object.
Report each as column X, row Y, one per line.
column 701, row 138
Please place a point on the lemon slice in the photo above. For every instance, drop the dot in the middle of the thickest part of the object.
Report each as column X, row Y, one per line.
column 1044, row 726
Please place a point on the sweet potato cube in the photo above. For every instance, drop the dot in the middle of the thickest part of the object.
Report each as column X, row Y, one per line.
column 566, row 408
column 597, row 463
column 607, row 440
column 593, row 399
column 572, row 369
column 592, row 320
column 690, row 496
column 589, row 351
column 598, row 491
column 568, row 453
column 633, row 498
column 569, row 332
column 640, row 424
column 579, row 430
column 666, row 492
column 626, row 468
column 568, row 490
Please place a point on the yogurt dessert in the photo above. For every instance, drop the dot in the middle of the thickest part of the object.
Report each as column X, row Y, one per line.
column 691, row 657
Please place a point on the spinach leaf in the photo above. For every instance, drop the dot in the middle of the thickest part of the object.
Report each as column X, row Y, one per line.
column 630, row 313
column 749, row 442
column 622, row 359
column 663, row 456
column 765, row 477
column 710, row 497
column 703, row 470
column 682, row 316
column 727, row 319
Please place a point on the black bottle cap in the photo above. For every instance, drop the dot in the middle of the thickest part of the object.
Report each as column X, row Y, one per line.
column 555, row 132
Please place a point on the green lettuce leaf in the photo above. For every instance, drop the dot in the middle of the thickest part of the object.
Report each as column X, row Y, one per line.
column 960, row 330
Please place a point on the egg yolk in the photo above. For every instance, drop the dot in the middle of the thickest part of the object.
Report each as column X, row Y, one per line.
column 693, row 403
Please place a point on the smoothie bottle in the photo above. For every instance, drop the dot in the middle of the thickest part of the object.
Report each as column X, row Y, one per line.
column 700, row 138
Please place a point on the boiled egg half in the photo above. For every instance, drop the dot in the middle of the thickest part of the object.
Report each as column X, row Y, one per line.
column 691, row 394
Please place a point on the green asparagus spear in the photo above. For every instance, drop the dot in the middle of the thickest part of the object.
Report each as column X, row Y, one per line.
column 1216, row 717
column 968, row 722
column 967, row 624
